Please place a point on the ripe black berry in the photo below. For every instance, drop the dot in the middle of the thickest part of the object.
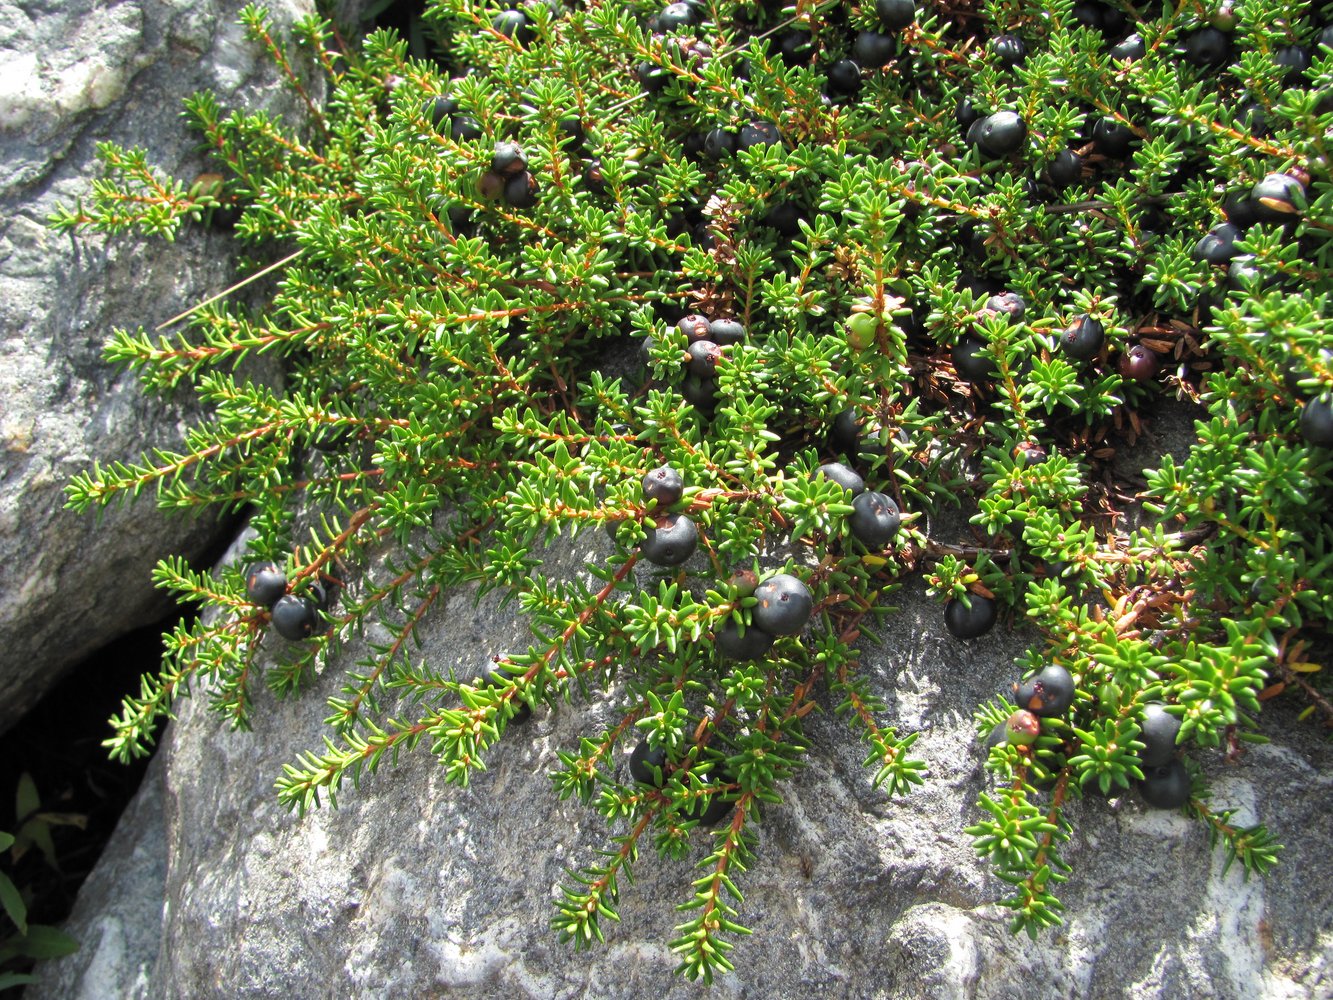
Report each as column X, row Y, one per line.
column 1089, row 14
column 1158, row 736
column 652, row 77
column 759, row 132
column 1047, row 693
column 965, row 622
column 438, row 109
column 845, row 477
column 1112, row 137
column 719, row 143
column 732, row 645
column 1167, row 786
column 593, row 177
column 725, row 330
column 965, row 114
column 694, row 326
column 265, row 582
column 875, row 519
column 1029, row 453
column 672, row 542
column 1275, row 198
column 969, row 361
column 1009, row 49
column 896, row 14
column 1138, row 364
column 508, row 159
column 1240, row 209
column 1317, row 421
column 785, row 217
column 845, row 434
column 1009, row 304
column 844, row 77
column 463, row 128
column 872, row 49
column 514, row 24
column 674, row 17
column 521, row 191
column 646, row 764
column 785, row 605
column 1082, row 339
column 709, row 809
column 701, row 393
column 704, row 359
column 795, row 47
column 294, row 617
column 1129, row 48
column 1218, row 245
column 665, row 485
column 1065, row 169
column 998, row 134
column 1207, row 47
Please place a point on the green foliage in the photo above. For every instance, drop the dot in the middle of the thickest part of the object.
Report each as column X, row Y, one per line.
column 449, row 407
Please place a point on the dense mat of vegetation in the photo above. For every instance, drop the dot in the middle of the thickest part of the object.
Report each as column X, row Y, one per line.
column 876, row 261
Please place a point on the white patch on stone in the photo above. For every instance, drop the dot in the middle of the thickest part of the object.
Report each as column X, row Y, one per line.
column 18, row 83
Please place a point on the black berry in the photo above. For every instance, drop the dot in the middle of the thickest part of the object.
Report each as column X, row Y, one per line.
column 672, row 542
column 1009, row 49
column 674, row 17
column 1167, row 786
column 759, row 132
column 965, row 114
column 514, row 24
column 1082, row 339
column 463, row 128
column 844, row 476
column 665, row 485
column 875, row 519
column 521, row 191
column 1158, row 736
column 1130, row 48
column 1112, row 137
column 508, row 159
column 593, row 177
column 795, row 47
column 1047, row 693
column 998, row 134
column 719, row 143
column 264, row 583
column 724, row 331
column 439, row 109
column 1275, row 198
column 896, row 14
column 294, row 617
column 1065, row 169
column 873, row 49
column 646, row 764
column 1317, row 421
column 969, row 361
column 694, row 326
column 734, row 646
column 1218, row 245
column 844, row 76
column 785, row 605
column 965, row 622
column 1009, row 304
column 705, row 356
column 1207, row 47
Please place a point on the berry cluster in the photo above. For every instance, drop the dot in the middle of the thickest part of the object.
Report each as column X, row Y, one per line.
column 293, row 616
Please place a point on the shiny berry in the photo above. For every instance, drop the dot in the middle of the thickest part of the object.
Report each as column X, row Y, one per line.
column 701, row 393
column 1112, row 137
column 875, row 519
column 970, row 362
column 672, row 542
column 1317, row 421
column 521, row 191
column 265, row 583
column 438, row 109
column 709, row 809
column 1022, row 728
column 1130, row 48
column 490, row 185
column 694, row 326
column 705, row 356
column 1275, row 198
column 844, row 476
column 965, row 622
column 1008, row 304
column 463, row 128
column 1207, row 47
column 508, row 159
column 871, row 49
column 724, row 331
column 1138, row 364
column 1047, row 693
column 844, row 76
column 734, row 646
column 675, row 16
column 1159, row 732
column 1218, row 245
column 1009, row 49
column 1166, row 786
column 845, row 435
column 1082, row 339
column 795, row 47
column 896, row 14
column 647, row 765
column 594, row 178
column 514, row 24
column 785, row 605
column 965, row 114
column 665, row 485
column 719, row 143
column 759, row 132
column 294, row 617
column 998, row 134
column 1065, row 169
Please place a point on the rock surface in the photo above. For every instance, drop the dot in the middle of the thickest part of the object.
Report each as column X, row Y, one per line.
column 413, row 887
column 73, row 74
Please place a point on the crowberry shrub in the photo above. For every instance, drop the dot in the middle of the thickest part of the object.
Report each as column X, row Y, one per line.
column 843, row 210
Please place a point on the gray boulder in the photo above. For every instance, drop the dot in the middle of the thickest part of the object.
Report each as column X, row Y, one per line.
column 77, row 73
column 413, row 887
